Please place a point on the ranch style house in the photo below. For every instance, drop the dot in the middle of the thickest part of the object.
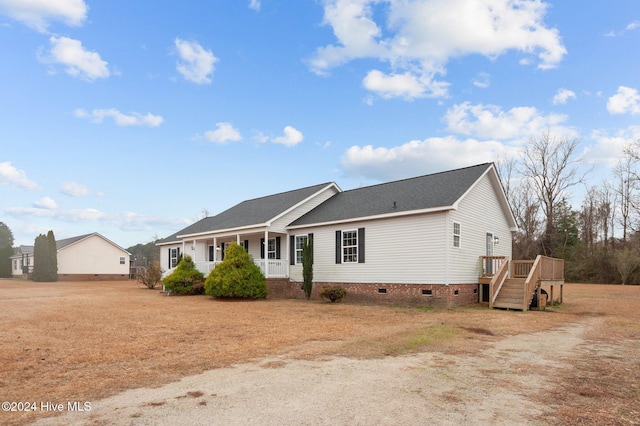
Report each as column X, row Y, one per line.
column 88, row 257
column 442, row 239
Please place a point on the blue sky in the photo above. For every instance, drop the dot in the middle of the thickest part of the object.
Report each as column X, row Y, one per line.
column 131, row 118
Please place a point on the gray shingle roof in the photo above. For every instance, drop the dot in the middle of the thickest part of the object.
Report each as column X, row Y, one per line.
column 60, row 244
column 257, row 211
column 419, row 193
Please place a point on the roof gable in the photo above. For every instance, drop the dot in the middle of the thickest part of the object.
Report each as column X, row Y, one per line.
column 430, row 192
column 255, row 212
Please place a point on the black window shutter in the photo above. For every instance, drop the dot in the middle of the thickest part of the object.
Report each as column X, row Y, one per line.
column 310, row 239
column 261, row 248
column 277, row 247
column 221, row 251
column 360, row 245
column 169, row 258
column 246, row 245
column 338, row 246
column 179, row 255
column 292, row 250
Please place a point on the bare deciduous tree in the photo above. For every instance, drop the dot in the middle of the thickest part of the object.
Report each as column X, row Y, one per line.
column 553, row 168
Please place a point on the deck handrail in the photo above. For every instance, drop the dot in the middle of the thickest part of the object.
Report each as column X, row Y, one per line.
column 498, row 279
column 544, row 269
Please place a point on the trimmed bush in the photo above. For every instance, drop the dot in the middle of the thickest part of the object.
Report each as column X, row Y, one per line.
column 236, row 277
column 186, row 279
column 333, row 293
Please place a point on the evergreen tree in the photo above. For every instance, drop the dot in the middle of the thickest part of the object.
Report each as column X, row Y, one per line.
column 45, row 254
column 307, row 267
column 52, row 269
column 6, row 250
column 40, row 258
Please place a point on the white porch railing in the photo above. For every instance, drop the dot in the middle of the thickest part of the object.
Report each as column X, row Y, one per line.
column 277, row 268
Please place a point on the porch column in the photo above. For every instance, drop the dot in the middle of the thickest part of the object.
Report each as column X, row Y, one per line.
column 193, row 249
column 238, row 239
column 288, row 251
column 266, row 254
column 215, row 249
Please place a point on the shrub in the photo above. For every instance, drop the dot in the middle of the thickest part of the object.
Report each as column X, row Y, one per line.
column 333, row 293
column 151, row 275
column 236, row 276
column 307, row 267
column 186, row 279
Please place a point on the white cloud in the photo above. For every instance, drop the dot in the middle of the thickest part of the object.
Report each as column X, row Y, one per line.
column 9, row 175
column 38, row 14
column 483, row 80
column 626, row 101
column 224, row 133
column 490, row 122
column 126, row 221
column 291, row 137
column 609, row 147
column 255, row 5
column 77, row 61
column 46, row 203
column 196, row 64
column 133, row 119
column 420, row 157
column 423, row 35
column 75, row 189
column 563, row 95
column 405, row 85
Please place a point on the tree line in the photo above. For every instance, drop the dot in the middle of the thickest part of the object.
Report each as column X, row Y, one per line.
column 599, row 239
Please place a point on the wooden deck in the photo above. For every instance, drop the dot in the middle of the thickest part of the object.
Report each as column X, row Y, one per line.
column 513, row 284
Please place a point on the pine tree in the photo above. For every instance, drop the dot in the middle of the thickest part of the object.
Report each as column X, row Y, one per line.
column 40, row 258
column 52, row 267
column 6, row 250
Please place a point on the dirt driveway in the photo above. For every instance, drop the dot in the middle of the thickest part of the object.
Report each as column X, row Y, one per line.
column 138, row 357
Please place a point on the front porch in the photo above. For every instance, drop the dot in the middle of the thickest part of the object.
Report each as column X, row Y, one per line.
column 271, row 268
column 271, row 251
column 513, row 284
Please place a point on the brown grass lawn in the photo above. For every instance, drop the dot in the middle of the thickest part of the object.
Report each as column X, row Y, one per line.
column 85, row 341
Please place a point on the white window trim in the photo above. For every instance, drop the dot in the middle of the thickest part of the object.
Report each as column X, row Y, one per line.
column 354, row 254
column 298, row 250
column 271, row 254
column 457, row 240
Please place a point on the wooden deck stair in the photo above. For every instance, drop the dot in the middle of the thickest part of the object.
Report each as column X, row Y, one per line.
column 512, row 284
column 511, row 295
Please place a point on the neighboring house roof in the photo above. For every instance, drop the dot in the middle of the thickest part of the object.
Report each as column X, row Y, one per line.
column 21, row 251
column 61, row 244
column 255, row 212
column 423, row 193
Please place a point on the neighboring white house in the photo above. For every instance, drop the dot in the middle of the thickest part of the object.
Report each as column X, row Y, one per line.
column 417, row 239
column 85, row 257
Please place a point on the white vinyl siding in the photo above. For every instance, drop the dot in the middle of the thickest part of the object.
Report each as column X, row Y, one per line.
column 93, row 255
column 479, row 213
column 400, row 250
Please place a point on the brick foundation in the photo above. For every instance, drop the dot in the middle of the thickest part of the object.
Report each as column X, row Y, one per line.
column 436, row 295
column 93, row 277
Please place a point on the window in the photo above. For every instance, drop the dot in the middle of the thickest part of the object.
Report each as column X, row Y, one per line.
column 122, row 260
column 173, row 257
column 301, row 240
column 350, row 246
column 271, row 249
column 456, row 234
